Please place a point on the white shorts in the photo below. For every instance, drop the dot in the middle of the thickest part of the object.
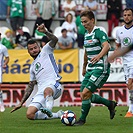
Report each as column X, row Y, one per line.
column 128, row 71
column 38, row 100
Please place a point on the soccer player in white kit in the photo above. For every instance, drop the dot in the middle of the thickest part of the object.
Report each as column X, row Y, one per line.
column 44, row 73
column 3, row 64
column 124, row 39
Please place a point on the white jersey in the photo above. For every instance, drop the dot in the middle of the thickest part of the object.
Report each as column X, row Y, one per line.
column 124, row 37
column 3, row 53
column 44, row 69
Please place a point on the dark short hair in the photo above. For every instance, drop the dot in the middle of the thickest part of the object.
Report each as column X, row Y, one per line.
column 126, row 9
column 88, row 14
column 0, row 34
column 63, row 30
column 31, row 41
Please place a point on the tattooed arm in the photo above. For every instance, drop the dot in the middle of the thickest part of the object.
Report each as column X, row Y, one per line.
column 53, row 38
column 28, row 91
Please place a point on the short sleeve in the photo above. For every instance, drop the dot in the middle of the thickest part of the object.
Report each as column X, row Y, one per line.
column 117, row 37
column 5, row 52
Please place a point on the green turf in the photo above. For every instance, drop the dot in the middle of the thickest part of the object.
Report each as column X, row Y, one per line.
column 97, row 122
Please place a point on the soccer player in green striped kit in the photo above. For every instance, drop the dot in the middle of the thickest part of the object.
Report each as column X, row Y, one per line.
column 96, row 45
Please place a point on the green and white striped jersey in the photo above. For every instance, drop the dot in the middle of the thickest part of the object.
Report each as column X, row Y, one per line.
column 93, row 46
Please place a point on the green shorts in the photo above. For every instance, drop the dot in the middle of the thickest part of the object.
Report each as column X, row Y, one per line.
column 94, row 79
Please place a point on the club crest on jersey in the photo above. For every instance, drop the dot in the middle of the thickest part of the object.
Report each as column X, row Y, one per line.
column 37, row 66
column 126, row 41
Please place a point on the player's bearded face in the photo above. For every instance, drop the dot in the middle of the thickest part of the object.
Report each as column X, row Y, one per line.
column 128, row 17
column 128, row 22
column 33, row 50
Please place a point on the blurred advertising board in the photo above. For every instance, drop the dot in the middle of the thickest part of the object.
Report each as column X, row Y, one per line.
column 20, row 62
column 116, row 69
column 13, row 93
column 69, row 63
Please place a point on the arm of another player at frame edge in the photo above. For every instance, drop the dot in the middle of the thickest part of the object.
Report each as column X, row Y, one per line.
column 6, row 62
column 119, row 52
column 53, row 38
column 28, row 91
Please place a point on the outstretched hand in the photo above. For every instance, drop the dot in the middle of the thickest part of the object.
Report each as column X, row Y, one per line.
column 16, row 108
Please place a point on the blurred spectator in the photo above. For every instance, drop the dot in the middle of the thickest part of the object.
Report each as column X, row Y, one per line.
column 114, row 9
column 129, row 4
column 22, row 38
column 65, row 41
column 71, row 27
column 16, row 12
column 69, row 6
column 80, row 31
column 7, row 40
column 91, row 5
column 45, row 11
column 122, row 23
column 44, row 40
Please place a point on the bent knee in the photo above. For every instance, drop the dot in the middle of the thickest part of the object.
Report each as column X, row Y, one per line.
column 86, row 94
column 30, row 116
column 48, row 92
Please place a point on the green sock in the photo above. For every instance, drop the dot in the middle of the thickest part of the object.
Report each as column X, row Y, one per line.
column 99, row 100
column 86, row 104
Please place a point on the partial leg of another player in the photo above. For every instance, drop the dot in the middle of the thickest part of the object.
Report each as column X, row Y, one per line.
column 2, row 108
column 94, row 98
column 130, row 110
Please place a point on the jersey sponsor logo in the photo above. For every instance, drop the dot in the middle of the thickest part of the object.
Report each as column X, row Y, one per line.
column 126, row 41
column 90, row 42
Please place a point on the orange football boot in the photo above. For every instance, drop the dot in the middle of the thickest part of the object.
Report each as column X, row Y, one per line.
column 128, row 114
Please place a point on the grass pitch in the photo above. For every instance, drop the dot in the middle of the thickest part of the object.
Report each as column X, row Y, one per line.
column 97, row 122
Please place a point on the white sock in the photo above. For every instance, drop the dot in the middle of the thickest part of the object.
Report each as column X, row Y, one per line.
column 49, row 102
column 130, row 108
column 41, row 116
column 1, row 98
column 130, row 101
column 55, row 116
